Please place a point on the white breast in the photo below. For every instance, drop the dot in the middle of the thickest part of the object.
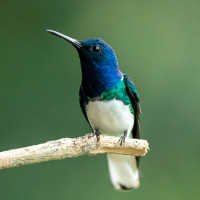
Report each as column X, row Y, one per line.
column 110, row 117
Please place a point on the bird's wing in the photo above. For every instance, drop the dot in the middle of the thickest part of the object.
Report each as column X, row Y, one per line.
column 134, row 97
column 82, row 100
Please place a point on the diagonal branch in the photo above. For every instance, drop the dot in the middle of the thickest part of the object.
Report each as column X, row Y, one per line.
column 71, row 147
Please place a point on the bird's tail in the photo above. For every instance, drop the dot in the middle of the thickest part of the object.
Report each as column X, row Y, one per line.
column 124, row 173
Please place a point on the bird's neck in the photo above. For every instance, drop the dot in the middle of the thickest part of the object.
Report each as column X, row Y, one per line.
column 99, row 79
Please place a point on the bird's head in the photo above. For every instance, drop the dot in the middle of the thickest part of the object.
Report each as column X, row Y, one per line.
column 93, row 50
column 98, row 62
column 98, row 52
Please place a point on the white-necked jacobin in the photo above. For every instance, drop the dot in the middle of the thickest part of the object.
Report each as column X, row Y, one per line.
column 110, row 104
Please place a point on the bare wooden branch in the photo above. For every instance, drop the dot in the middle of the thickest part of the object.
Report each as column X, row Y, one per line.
column 71, row 147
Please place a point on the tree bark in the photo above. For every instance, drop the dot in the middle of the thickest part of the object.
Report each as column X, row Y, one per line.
column 71, row 147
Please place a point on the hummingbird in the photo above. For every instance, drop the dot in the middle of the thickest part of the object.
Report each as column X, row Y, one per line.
column 110, row 104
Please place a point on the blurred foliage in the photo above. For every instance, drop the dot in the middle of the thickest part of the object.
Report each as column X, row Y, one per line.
column 157, row 44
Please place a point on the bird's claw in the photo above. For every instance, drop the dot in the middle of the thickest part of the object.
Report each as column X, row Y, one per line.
column 121, row 140
column 97, row 133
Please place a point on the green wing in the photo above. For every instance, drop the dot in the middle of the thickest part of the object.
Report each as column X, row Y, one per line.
column 134, row 97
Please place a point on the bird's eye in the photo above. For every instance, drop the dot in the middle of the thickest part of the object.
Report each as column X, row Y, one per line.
column 96, row 48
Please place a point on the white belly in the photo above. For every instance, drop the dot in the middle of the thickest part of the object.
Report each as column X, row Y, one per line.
column 111, row 117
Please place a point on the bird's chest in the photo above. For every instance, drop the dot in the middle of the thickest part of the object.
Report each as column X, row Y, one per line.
column 110, row 117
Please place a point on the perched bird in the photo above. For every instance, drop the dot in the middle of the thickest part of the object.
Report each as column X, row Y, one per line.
column 110, row 104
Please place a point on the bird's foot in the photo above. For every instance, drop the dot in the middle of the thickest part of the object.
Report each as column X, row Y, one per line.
column 123, row 138
column 97, row 133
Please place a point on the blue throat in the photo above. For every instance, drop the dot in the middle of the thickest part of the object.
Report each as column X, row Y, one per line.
column 97, row 79
column 100, row 70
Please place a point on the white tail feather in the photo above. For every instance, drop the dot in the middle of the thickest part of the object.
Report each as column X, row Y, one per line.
column 123, row 171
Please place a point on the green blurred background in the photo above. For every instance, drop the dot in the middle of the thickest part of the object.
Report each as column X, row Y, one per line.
column 157, row 44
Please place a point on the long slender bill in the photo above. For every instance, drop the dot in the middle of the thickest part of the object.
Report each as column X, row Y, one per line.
column 73, row 41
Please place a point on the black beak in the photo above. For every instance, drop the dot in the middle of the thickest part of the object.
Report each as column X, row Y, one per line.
column 74, row 42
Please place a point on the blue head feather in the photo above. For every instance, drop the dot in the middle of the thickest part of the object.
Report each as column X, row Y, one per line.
column 100, row 71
